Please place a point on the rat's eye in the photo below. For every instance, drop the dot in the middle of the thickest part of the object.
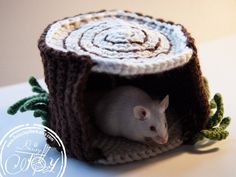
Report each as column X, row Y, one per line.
column 152, row 128
column 143, row 113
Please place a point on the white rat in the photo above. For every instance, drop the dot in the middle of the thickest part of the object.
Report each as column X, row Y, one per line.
column 129, row 112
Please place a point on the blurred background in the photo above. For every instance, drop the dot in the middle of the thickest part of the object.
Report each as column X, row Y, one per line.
column 22, row 22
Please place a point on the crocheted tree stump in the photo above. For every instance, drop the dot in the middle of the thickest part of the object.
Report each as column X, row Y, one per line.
column 87, row 55
column 95, row 52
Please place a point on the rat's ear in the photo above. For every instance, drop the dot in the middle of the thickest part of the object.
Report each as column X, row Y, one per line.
column 141, row 113
column 164, row 104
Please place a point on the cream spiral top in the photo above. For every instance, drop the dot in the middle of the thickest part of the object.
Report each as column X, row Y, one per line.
column 121, row 42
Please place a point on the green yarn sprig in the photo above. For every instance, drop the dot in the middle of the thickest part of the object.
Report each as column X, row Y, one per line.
column 216, row 125
column 217, row 133
column 215, row 119
column 37, row 103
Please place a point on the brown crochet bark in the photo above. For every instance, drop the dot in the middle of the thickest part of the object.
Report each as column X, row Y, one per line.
column 68, row 76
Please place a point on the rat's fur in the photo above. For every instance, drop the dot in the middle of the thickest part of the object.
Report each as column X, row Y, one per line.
column 118, row 114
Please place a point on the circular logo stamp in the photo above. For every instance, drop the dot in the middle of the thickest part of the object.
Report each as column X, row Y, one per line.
column 24, row 151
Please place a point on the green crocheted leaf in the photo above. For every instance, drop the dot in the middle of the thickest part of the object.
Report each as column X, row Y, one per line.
column 30, row 103
column 215, row 129
column 225, row 123
column 37, row 103
column 218, row 133
column 38, row 89
column 40, row 113
column 215, row 134
column 213, row 104
column 33, row 82
column 15, row 107
column 40, row 106
column 217, row 117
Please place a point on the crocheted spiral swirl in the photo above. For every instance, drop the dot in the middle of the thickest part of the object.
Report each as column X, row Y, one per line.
column 122, row 42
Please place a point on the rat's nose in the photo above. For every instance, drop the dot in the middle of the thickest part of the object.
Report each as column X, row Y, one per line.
column 160, row 140
column 163, row 140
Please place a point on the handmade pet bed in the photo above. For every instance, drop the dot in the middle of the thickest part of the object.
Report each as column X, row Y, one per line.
column 87, row 55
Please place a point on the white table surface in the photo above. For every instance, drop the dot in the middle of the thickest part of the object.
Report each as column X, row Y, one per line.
column 218, row 62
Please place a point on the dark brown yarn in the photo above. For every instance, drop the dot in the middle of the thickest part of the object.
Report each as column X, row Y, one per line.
column 66, row 75
column 69, row 75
